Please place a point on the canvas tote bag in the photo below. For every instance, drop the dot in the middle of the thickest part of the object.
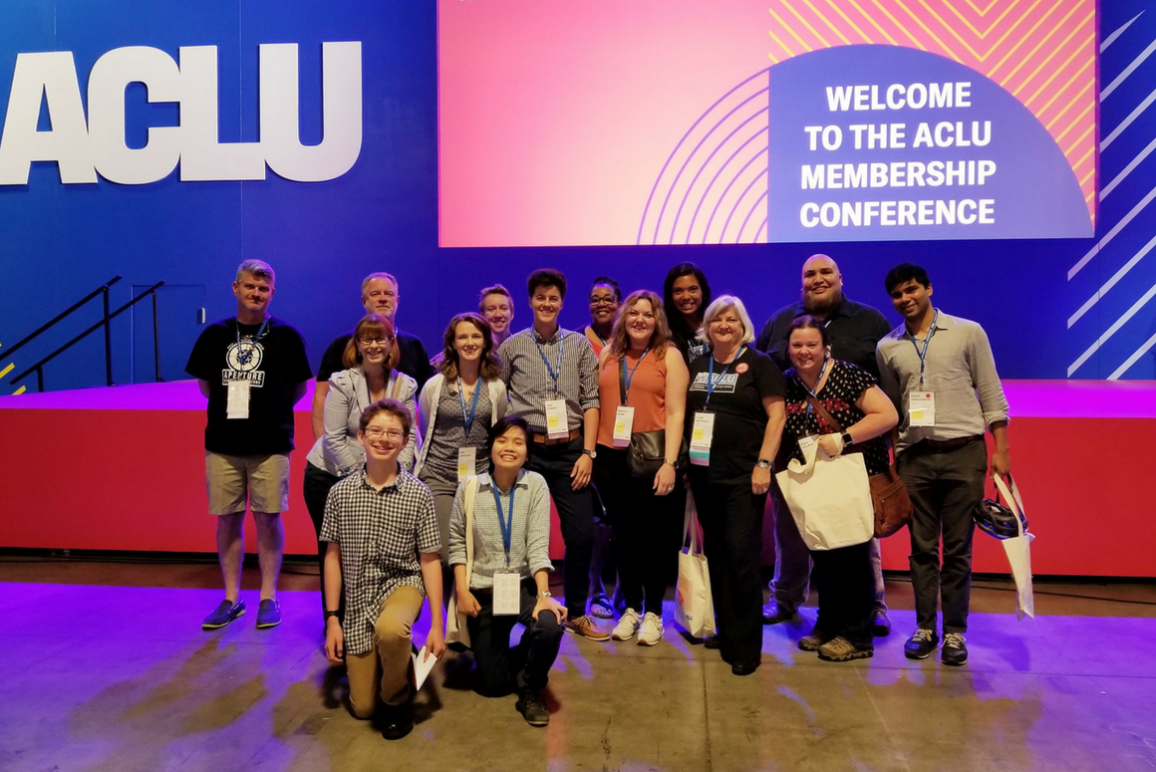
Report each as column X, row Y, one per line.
column 693, row 607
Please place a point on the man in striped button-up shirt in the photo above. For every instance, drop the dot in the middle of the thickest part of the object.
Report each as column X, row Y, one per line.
column 544, row 363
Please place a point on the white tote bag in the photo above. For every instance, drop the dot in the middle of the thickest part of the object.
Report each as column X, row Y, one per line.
column 456, row 630
column 829, row 498
column 1019, row 551
column 693, row 607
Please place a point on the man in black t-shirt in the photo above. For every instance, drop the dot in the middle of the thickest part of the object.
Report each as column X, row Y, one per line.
column 379, row 295
column 854, row 330
column 253, row 369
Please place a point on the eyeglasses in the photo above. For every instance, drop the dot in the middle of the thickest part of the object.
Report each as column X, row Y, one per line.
column 603, row 300
column 375, row 341
column 375, row 433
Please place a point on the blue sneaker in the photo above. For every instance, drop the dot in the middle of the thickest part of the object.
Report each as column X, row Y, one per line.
column 268, row 614
column 223, row 615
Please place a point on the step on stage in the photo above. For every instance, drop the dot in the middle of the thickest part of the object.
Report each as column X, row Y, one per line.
column 122, row 468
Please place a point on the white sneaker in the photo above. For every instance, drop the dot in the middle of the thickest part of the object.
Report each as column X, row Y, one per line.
column 651, row 630
column 627, row 626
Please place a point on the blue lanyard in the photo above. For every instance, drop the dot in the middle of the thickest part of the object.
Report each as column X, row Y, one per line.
column 545, row 361
column 507, row 525
column 822, row 370
column 243, row 356
column 629, row 374
column 710, row 379
column 926, row 342
column 469, row 420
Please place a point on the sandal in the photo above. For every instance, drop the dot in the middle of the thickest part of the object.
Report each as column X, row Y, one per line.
column 600, row 607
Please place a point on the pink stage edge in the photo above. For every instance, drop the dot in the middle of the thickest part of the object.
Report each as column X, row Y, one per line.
column 138, row 481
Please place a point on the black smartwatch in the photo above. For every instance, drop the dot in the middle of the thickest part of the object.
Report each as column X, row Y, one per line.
column 846, row 439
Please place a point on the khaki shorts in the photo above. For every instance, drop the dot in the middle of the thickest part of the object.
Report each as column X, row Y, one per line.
column 264, row 480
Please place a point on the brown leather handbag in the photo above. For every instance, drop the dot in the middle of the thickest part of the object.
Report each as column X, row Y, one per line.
column 892, row 505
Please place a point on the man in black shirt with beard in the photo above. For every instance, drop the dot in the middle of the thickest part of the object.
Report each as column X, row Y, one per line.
column 854, row 330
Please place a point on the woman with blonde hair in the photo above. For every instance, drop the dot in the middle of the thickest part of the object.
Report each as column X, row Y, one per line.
column 642, row 383
column 734, row 420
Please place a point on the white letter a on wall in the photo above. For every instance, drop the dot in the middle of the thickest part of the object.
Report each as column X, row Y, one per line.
column 49, row 76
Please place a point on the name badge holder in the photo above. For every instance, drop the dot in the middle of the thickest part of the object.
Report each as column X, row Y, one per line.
column 623, row 426
column 921, row 403
column 557, row 426
column 701, row 435
column 507, row 582
column 237, row 403
column 921, row 408
column 467, row 462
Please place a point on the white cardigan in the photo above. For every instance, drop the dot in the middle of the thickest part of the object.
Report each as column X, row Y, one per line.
column 428, row 404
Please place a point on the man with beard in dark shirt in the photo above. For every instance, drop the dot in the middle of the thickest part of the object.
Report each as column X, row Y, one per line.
column 854, row 330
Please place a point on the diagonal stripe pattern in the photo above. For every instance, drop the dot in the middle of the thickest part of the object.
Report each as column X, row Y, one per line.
column 1113, row 285
column 1042, row 52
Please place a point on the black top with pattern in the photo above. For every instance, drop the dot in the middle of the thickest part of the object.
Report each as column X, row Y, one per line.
column 845, row 384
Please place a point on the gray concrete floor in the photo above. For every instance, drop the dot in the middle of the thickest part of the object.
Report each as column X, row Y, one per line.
column 104, row 667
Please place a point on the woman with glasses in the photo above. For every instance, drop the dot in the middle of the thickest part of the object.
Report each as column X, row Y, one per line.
column 735, row 411
column 605, row 297
column 371, row 358
column 642, row 383
column 458, row 407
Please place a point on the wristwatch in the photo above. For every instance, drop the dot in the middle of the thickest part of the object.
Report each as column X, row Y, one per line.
column 591, row 453
column 847, row 439
column 331, row 614
column 763, row 464
column 545, row 594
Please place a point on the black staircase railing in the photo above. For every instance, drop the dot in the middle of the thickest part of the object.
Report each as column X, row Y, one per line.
column 105, row 322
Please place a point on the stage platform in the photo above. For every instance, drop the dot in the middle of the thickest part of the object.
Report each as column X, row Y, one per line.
column 146, row 690
column 122, row 468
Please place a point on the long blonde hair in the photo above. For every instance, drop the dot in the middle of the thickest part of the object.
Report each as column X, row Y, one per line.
column 619, row 342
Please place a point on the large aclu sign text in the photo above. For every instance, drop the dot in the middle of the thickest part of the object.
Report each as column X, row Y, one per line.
column 85, row 146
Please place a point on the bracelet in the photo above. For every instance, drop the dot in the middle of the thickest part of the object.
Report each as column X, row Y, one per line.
column 329, row 614
column 672, row 463
column 545, row 594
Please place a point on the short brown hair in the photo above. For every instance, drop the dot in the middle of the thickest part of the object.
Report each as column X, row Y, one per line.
column 496, row 289
column 546, row 277
column 351, row 357
column 393, row 408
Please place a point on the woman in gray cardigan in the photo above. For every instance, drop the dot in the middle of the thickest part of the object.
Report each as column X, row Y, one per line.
column 371, row 358
column 458, row 407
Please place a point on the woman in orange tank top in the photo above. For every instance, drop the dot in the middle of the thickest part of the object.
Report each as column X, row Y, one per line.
column 642, row 383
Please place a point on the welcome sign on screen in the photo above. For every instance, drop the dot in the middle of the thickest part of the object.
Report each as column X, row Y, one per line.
column 704, row 121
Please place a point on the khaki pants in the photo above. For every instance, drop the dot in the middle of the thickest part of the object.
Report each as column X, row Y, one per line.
column 384, row 669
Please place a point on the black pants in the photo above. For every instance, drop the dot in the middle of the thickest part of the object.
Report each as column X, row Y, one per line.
column 528, row 665
column 846, row 584
column 732, row 527
column 945, row 486
column 646, row 530
column 316, row 491
column 575, row 513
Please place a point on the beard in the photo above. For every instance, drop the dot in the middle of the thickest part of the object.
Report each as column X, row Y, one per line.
column 821, row 306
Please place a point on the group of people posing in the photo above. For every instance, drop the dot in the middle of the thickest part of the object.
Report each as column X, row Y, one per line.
column 427, row 474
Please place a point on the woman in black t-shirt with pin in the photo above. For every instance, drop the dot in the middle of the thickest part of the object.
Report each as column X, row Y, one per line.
column 737, row 393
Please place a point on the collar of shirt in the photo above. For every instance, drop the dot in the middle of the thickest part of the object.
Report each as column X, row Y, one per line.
column 396, row 483
column 557, row 336
column 945, row 322
column 487, row 482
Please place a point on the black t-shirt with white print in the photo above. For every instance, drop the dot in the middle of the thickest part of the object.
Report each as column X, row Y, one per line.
column 740, row 418
column 274, row 365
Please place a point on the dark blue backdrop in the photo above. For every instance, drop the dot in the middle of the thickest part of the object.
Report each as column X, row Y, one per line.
column 57, row 242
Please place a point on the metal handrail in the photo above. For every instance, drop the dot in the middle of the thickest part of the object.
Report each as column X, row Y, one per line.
column 38, row 368
column 102, row 288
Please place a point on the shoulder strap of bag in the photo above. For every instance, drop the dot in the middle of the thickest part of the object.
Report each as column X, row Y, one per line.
column 471, row 494
column 823, row 412
column 690, row 525
column 622, row 381
column 396, row 384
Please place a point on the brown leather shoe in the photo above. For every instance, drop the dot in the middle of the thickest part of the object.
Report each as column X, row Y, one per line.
column 585, row 627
